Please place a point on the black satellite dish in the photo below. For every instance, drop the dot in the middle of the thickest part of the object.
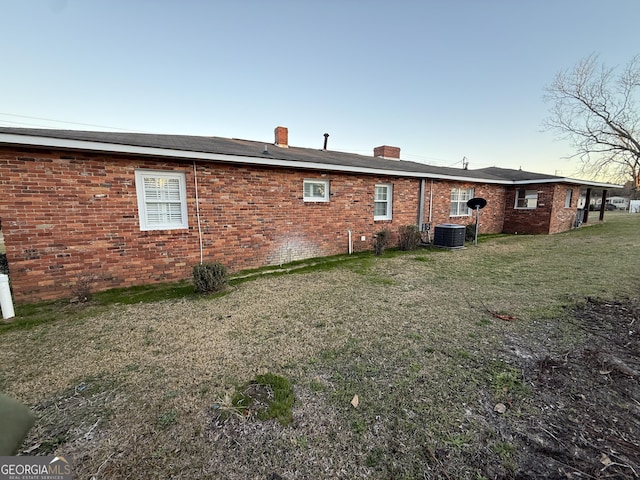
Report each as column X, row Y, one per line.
column 476, row 204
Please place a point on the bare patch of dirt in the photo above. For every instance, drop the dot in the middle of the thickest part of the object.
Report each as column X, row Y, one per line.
column 589, row 401
column 73, row 418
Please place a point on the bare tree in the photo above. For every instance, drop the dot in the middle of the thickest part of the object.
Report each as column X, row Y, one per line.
column 595, row 109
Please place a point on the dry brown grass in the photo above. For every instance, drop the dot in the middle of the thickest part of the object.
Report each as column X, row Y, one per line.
column 143, row 390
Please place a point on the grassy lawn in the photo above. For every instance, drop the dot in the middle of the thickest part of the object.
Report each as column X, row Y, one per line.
column 147, row 389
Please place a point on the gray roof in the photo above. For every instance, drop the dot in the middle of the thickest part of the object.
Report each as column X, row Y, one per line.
column 260, row 153
column 516, row 175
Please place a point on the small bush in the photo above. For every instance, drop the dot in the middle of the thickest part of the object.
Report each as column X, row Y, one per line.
column 381, row 240
column 82, row 290
column 409, row 237
column 4, row 265
column 209, row 277
column 470, row 232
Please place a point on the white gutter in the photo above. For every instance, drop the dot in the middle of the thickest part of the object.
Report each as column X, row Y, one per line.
column 34, row 140
column 567, row 180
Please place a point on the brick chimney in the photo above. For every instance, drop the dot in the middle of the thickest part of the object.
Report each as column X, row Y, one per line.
column 385, row 151
column 282, row 137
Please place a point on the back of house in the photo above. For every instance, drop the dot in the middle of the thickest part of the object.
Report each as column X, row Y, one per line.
column 124, row 209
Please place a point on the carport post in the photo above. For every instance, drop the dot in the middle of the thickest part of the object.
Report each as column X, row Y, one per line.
column 603, row 204
column 587, row 201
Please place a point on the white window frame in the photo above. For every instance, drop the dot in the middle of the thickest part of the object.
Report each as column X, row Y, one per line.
column 377, row 199
column 146, row 223
column 527, row 202
column 459, row 199
column 568, row 197
column 315, row 198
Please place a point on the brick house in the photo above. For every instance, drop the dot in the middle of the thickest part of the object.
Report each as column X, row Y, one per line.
column 140, row 208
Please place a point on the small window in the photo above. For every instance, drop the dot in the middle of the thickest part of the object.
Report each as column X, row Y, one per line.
column 316, row 190
column 162, row 200
column 382, row 202
column 526, row 198
column 567, row 199
column 459, row 199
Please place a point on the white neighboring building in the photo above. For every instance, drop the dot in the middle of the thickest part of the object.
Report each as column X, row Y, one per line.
column 621, row 203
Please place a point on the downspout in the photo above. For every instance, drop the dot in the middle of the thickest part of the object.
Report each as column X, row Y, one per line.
column 195, row 181
column 350, row 243
column 421, row 204
column 431, row 202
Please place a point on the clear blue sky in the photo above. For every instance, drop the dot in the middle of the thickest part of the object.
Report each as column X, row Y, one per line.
column 441, row 79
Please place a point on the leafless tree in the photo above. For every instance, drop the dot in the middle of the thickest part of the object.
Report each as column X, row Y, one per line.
column 595, row 109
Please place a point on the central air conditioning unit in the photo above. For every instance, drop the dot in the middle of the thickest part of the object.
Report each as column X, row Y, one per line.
column 449, row 235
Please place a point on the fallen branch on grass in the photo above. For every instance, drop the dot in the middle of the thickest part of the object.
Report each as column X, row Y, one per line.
column 619, row 365
column 506, row 318
column 501, row 316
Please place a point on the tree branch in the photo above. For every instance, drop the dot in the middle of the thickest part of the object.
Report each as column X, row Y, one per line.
column 595, row 110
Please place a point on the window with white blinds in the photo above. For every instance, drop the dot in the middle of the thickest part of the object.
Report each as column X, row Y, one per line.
column 459, row 199
column 162, row 200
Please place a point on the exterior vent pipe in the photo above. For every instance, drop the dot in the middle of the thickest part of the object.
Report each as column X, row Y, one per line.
column 326, row 137
column 6, row 303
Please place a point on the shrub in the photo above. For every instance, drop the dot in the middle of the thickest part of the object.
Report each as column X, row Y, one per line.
column 209, row 277
column 4, row 265
column 82, row 290
column 470, row 232
column 381, row 239
column 409, row 237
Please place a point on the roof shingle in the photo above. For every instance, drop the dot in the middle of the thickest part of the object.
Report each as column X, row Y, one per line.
column 261, row 151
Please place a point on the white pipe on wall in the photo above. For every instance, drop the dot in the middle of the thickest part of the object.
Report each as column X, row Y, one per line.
column 431, row 202
column 421, row 203
column 195, row 180
column 6, row 303
column 350, row 243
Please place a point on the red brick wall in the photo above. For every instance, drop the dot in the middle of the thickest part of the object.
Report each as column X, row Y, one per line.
column 65, row 215
column 563, row 218
column 550, row 216
column 491, row 216
column 529, row 221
